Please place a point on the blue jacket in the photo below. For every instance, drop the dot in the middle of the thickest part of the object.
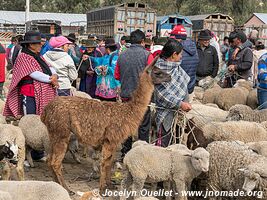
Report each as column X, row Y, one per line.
column 190, row 61
column 45, row 48
column 262, row 71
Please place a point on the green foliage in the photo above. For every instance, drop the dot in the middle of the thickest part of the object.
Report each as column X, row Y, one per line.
column 240, row 10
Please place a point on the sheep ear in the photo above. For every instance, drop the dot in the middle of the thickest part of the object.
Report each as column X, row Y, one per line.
column 15, row 141
column 149, row 68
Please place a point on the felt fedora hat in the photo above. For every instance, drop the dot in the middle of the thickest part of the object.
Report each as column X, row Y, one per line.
column 204, row 35
column 31, row 37
column 89, row 43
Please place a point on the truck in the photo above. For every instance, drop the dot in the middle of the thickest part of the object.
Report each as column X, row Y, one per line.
column 46, row 27
column 165, row 24
column 120, row 20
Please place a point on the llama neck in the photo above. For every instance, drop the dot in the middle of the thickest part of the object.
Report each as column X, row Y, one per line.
column 142, row 95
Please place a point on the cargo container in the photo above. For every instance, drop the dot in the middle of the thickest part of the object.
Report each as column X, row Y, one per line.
column 119, row 20
column 165, row 24
column 219, row 23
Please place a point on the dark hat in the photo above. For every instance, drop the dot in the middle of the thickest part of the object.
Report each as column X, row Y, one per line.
column 72, row 37
column 204, row 35
column 31, row 37
column 89, row 43
column 100, row 37
column 161, row 41
column 110, row 42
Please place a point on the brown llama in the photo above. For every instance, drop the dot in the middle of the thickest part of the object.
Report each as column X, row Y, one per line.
column 102, row 125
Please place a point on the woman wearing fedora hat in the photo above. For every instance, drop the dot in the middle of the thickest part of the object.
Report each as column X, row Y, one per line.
column 106, row 84
column 33, row 82
column 59, row 59
column 87, row 69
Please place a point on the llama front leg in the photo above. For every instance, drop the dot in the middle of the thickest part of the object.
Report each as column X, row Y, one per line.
column 54, row 161
column 106, row 164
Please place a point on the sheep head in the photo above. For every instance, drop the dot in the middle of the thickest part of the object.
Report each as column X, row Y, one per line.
column 253, row 179
column 200, row 159
column 236, row 112
column 245, row 84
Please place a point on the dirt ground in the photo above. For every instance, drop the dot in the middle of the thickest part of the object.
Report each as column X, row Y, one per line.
column 76, row 175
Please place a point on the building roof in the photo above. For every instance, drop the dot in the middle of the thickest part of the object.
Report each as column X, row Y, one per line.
column 18, row 17
column 261, row 16
column 204, row 16
column 163, row 19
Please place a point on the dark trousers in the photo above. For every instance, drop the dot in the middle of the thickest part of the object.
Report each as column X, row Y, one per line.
column 143, row 133
column 63, row 92
column 164, row 137
column 262, row 98
column 104, row 99
column 29, row 107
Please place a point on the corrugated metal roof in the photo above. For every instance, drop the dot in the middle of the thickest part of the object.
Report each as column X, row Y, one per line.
column 18, row 17
column 204, row 16
column 262, row 17
column 163, row 19
column 198, row 17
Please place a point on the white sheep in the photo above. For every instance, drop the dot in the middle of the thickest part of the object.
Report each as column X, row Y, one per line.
column 2, row 119
column 149, row 163
column 234, row 130
column 226, row 160
column 10, row 133
column 259, row 147
column 210, row 95
column 203, row 114
column 34, row 190
column 243, row 112
column 77, row 93
column 198, row 93
column 228, row 97
column 5, row 196
column 252, row 100
column 36, row 137
column 2, row 105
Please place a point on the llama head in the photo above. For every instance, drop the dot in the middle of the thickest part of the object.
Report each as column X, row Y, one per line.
column 157, row 75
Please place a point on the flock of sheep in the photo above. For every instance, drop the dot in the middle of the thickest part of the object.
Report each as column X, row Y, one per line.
column 225, row 139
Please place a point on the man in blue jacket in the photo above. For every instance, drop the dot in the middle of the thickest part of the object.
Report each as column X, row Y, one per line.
column 189, row 57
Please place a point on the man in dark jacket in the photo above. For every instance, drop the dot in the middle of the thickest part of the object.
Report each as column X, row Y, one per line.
column 130, row 64
column 244, row 58
column 208, row 57
column 189, row 57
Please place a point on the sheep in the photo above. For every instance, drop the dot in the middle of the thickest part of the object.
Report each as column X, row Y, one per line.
column 36, row 137
column 210, row 95
column 204, row 114
column 232, row 130
column 228, row 97
column 34, row 190
column 146, row 198
column 226, row 160
column 9, row 133
column 2, row 105
column 198, row 93
column 227, row 131
column 255, row 178
column 252, row 100
column 2, row 119
column 77, row 93
column 259, row 147
column 243, row 112
column 149, row 163
column 5, row 196
column 101, row 130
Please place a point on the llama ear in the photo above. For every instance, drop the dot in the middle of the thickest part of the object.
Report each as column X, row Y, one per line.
column 149, row 68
